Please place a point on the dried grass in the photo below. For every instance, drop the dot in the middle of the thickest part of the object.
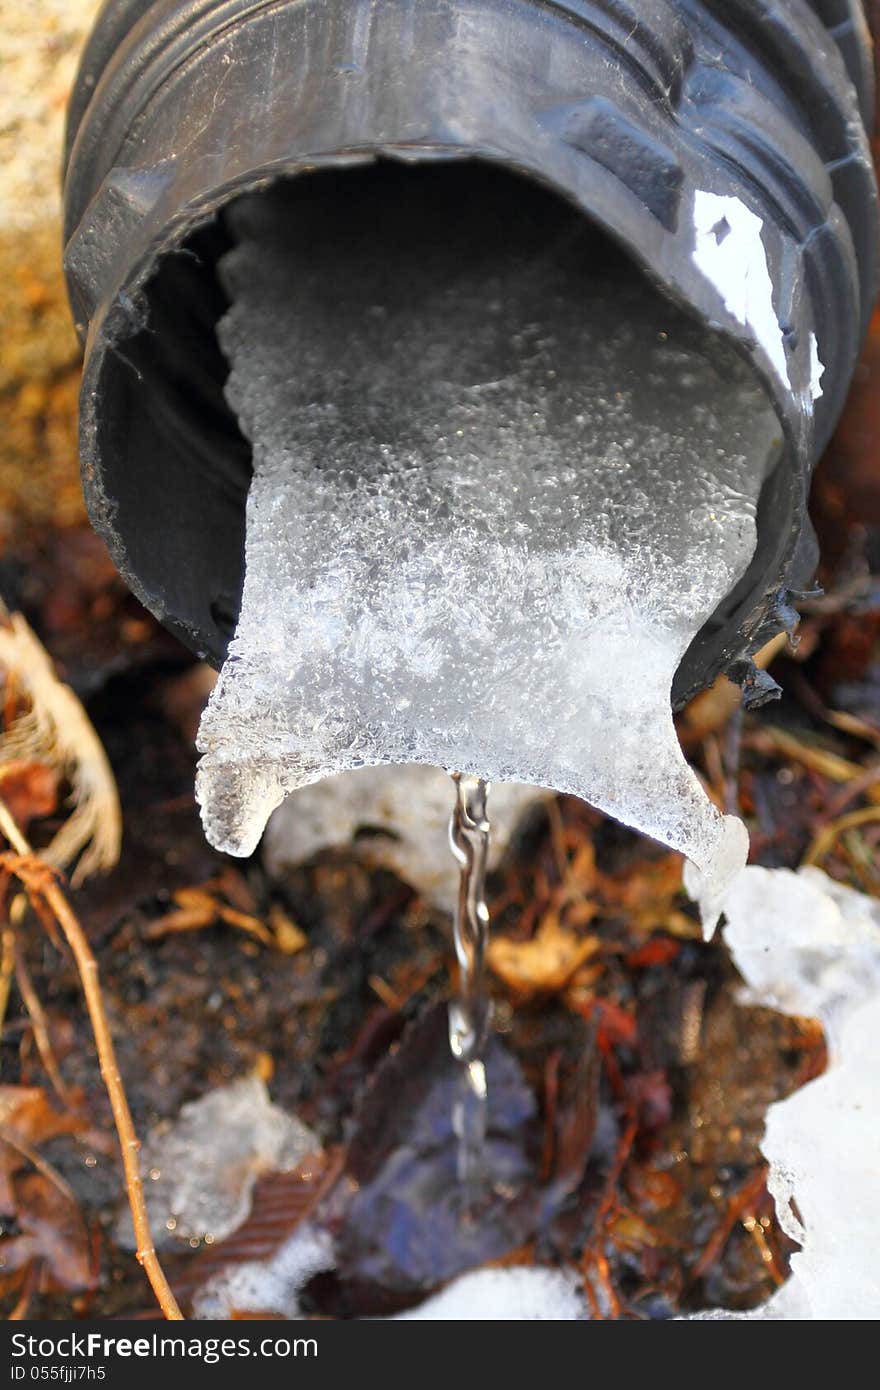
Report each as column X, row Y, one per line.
column 54, row 729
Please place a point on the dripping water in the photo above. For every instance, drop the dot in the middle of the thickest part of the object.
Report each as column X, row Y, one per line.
column 470, row 1009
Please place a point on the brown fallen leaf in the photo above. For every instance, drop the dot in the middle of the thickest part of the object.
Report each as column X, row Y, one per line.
column 234, row 887
column 26, row 1110
column 580, row 875
column 647, row 897
column 629, row 1231
column 544, row 964
column 197, row 909
column 581, row 988
column 51, row 1229
column 28, row 1121
column 653, row 1188
column 289, row 938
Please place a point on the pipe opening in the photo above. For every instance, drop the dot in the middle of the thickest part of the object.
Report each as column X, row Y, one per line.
column 174, row 460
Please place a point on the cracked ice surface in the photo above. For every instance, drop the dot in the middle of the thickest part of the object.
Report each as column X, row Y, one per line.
column 498, row 488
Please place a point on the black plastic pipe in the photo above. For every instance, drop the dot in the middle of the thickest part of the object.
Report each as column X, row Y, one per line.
column 631, row 110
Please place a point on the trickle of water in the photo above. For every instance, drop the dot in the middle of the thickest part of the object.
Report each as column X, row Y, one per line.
column 470, row 1010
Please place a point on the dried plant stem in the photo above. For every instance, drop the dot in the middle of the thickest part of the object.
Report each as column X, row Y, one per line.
column 736, row 1209
column 28, row 1289
column 7, row 967
column 825, row 840
column 39, row 1022
column 8, row 942
column 42, row 1165
column 56, row 730
column 594, row 1255
column 49, row 890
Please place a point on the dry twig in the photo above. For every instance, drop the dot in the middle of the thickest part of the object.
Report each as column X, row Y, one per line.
column 594, row 1257
column 47, row 898
column 737, row 1207
column 39, row 1022
column 824, row 841
column 7, row 967
column 770, row 740
column 28, row 1289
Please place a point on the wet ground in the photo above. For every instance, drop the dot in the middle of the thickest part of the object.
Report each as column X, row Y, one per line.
column 630, row 1084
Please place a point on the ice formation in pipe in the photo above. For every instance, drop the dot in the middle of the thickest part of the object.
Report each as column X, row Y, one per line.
column 484, row 535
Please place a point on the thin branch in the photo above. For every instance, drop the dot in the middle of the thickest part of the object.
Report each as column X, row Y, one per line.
column 825, row 840
column 42, row 1165
column 7, row 967
column 28, row 1289
column 39, row 1022
column 38, row 879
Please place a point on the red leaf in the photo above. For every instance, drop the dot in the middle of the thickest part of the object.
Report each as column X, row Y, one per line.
column 660, row 950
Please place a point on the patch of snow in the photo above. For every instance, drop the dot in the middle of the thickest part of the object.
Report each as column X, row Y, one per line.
column 270, row 1286
column 505, row 1295
column 807, row 945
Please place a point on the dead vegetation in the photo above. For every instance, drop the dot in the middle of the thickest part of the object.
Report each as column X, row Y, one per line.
column 47, row 728
column 634, row 1084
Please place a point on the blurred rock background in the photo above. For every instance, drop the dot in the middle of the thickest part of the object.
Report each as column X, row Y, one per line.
column 39, row 357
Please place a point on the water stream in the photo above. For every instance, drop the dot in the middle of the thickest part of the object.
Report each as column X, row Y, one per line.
column 469, row 1010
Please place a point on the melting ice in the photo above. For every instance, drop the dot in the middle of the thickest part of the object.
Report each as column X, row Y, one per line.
column 499, row 485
